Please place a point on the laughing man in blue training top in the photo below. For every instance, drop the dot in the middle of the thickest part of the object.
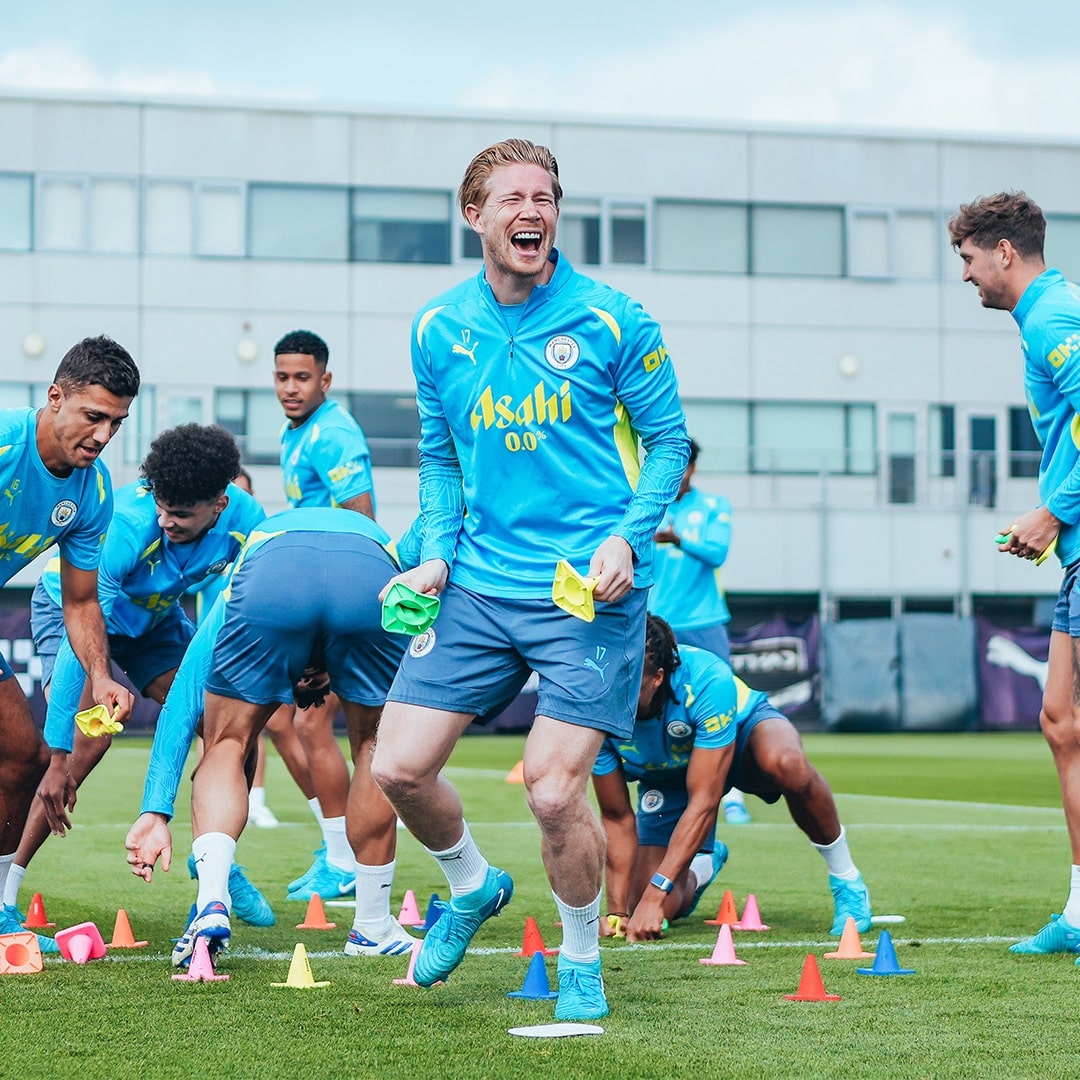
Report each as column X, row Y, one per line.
column 1000, row 240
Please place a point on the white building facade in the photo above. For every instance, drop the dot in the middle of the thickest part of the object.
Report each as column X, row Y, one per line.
column 860, row 409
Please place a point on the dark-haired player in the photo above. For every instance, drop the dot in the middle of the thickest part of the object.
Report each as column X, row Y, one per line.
column 182, row 523
column 55, row 490
column 699, row 731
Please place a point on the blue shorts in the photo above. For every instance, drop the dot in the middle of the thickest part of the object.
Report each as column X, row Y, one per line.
column 307, row 597
column 742, row 774
column 712, row 639
column 1067, row 608
column 141, row 658
column 481, row 650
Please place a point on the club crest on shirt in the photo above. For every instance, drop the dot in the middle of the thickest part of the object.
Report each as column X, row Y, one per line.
column 423, row 643
column 217, row 567
column 62, row 513
column 678, row 729
column 651, row 801
column 562, row 352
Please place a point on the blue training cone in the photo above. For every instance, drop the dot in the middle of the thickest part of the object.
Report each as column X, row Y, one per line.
column 435, row 909
column 885, row 962
column 536, row 986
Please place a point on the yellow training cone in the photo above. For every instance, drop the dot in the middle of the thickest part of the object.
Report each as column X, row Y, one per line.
column 300, row 977
column 97, row 721
column 572, row 592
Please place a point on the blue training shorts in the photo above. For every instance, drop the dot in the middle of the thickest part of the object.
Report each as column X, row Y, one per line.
column 307, row 597
column 141, row 658
column 1067, row 608
column 481, row 650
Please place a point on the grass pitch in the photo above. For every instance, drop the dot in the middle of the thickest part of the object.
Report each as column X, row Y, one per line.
column 962, row 834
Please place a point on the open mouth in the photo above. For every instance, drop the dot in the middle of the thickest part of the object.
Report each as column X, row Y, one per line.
column 526, row 241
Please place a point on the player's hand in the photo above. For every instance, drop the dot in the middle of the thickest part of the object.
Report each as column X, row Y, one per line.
column 146, row 840
column 647, row 922
column 613, row 926
column 57, row 793
column 116, row 697
column 429, row 578
column 613, row 567
column 1031, row 534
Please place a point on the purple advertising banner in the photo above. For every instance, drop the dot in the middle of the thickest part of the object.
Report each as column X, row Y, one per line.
column 1012, row 672
column 781, row 658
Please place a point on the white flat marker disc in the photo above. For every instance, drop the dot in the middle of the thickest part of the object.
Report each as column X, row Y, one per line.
column 556, row 1031
column 887, row 920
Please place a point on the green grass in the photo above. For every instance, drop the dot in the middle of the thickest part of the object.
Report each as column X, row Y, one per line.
column 963, row 834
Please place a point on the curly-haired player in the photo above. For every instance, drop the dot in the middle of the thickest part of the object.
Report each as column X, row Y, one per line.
column 183, row 523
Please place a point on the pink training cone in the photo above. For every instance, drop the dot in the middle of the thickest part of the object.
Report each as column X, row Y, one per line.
column 751, row 917
column 409, row 980
column 410, row 910
column 201, row 967
column 81, row 943
column 723, row 953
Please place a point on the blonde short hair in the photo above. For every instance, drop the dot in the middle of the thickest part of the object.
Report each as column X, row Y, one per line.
column 508, row 152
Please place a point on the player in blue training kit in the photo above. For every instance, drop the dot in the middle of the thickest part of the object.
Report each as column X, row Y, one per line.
column 534, row 384
column 178, row 527
column 54, row 489
column 691, row 546
column 700, row 730
column 324, row 462
column 271, row 623
column 1000, row 240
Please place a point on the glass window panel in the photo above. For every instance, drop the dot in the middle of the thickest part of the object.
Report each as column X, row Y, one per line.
column 709, row 237
column 942, row 440
column 220, row 220
column 185, row 409
column 471, row 248
column 628, row 234
column 61, row 214
column 797, row 240
column 1024, row 450
column 798, row 438
column 579, row 231
column 918, row 241
column 299, row 222
column 114, row 216
column 139, row 427
column 264, row 420
column 401, row 226
column 14, row 395
column 167, row 211
column 1063, row 244
column 391, row 425
column 722, row 430
column 15, row 204
column 862, row 443
column 869, row 253
column 900, row 439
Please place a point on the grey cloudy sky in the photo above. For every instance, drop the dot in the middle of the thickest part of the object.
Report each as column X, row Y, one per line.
column 995, row 67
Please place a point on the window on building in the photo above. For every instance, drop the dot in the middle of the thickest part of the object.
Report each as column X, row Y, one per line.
column 700, row 236
column 15, row 395
column 294, row 222
column 219, row 219
column 797, row 240
column 61, row 213
column 1063, row 244
column 942, row 440
column 391, row 426
column 627, row 243
column 401, row 226
column 579, row 231
column 114, row 216
column 900, row 439
column 811, row 438
column 168, row 210
column 16, row 204
column 722, row 430
column 1025, row 453
column 141, row 426
column 918, row 245
column 254, row 417
column 870, row 248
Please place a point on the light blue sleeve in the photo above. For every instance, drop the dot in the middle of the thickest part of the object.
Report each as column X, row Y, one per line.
column 1064, row 500
column 179, row 716
column 65, row 692
column 646, row 386
column 715, row 706
column 342, row 458
column 710, row 545
column 607, row 760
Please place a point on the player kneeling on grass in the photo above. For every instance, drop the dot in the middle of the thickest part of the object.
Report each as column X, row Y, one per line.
column 251, row 651
column 699, row 731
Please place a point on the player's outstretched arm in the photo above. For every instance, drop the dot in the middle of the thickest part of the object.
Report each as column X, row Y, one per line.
column 148, row 840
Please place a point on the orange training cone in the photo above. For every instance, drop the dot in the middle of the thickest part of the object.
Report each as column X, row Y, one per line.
column 724, row 951
column 36, row 919
column 533, row 942
column 751, row 917
column 850, row 945
column 811, row 988
column 727, row 912
column 517, row 774
column 315, row 919
column 201, row 967
column 122, row 937
column 20, row 954
column 410, row 911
